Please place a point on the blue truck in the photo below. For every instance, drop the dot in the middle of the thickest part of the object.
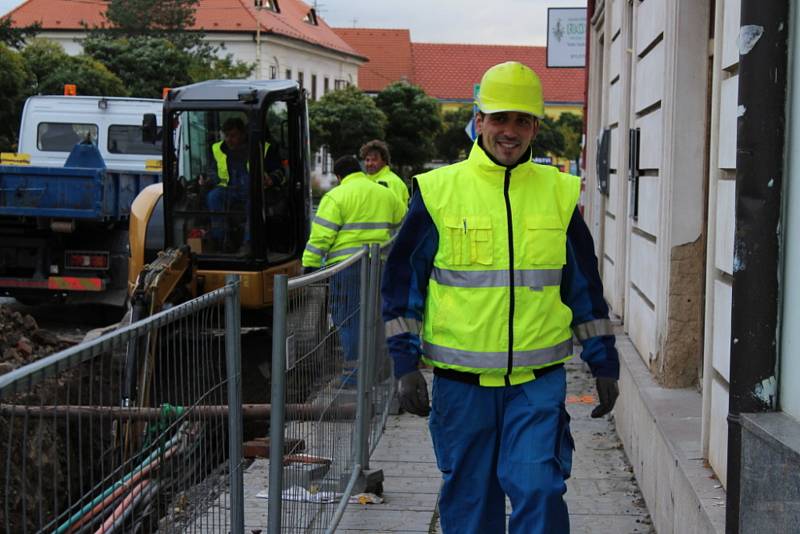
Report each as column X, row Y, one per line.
column 64, row 230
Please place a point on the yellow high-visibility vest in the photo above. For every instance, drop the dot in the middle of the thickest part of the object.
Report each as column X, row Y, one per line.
column 494, row 297
column 221, row 159
column 389, row 179
column 355, row 213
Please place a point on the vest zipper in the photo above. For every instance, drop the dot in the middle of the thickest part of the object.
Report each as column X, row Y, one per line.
column 506, row 186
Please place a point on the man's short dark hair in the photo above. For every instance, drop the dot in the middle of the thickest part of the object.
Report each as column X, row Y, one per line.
column 233, row 123
column 376, row 145
column 346, row 165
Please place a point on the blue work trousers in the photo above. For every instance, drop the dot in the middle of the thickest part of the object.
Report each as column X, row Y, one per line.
column 345, row 300
column 224, row 199
column 496, row 441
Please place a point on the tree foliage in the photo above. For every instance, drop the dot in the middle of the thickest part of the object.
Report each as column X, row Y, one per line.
column 146, row 43
column 414, row 120
column 16, row 37
column 571, row 127
column 12, row 94
column 151, row 17
column 452, row 142
column 549, row 140
column 49, row 68
column 344, row 120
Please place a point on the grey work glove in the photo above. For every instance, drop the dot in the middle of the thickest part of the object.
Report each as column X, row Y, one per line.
column 607, row 392
column 412, row 391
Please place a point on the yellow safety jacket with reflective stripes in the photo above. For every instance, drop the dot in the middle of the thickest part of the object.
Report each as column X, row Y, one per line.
column 355, row 213
column 388, row 178
column 221, row 159
column 494, row 304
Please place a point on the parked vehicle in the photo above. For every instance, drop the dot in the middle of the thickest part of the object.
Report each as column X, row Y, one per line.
column 64, row 216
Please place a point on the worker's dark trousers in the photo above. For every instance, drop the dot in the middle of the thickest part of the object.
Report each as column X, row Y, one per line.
column 497, row 441
column 345, row 299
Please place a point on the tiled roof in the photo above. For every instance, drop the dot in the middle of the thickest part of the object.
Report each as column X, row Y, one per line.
column 389, row 53
column 211, row 16
column 449, row 71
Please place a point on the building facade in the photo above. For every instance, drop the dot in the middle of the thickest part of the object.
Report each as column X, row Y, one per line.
column 674, row 199
column 283, row 39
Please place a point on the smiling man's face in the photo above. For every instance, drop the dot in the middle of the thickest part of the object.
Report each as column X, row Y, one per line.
column 507, row 134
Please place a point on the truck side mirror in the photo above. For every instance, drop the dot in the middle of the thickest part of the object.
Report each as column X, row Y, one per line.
column 149, row 128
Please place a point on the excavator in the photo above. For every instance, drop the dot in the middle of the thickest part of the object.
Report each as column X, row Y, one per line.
column 204, row 221
column 183, row 244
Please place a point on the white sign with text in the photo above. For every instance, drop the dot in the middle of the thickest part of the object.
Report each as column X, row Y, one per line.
column 566, row 37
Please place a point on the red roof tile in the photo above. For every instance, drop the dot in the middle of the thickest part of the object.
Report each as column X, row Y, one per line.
column 449, row 71
column 389, row 53
column 211, row 16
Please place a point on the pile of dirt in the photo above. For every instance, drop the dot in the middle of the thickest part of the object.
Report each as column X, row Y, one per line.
column 22, row 341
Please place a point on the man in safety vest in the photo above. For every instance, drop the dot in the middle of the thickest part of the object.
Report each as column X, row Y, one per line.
column 232, row 178
column 376, row 163
column 355, row 213
column 495, row 270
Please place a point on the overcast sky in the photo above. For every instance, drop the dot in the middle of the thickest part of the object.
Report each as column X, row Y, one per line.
column 515, row 22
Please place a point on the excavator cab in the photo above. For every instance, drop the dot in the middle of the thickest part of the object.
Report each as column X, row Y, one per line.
column 236, row 195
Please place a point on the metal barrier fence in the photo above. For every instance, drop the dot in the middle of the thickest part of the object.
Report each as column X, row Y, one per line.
column 328, row 354
column 76, row 457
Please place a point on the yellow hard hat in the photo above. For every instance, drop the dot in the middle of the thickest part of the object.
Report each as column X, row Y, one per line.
column 511, row 86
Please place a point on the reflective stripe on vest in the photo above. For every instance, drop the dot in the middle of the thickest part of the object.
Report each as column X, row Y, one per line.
column 497, row 360
column 498, row 230
column 402, row 325
column 534, row 279
column 597, row 327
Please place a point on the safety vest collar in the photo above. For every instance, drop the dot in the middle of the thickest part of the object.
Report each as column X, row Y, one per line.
column 483, row 161
column 352, row 177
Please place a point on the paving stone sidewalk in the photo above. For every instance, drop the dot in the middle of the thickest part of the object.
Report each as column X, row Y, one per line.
column 602, row 495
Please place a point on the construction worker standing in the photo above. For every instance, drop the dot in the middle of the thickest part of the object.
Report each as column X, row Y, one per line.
column 495, row 268
column 376, row 157
column 355, row 213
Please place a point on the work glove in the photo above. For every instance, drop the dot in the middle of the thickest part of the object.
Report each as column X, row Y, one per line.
column 607, row 392
column 412, row 391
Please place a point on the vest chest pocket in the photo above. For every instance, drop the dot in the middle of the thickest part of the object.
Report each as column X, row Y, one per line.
column 469, row 238
column 545, row 240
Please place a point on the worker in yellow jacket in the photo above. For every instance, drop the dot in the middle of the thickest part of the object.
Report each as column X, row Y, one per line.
column 355, row 213
column 490, row 276
column 376, row 158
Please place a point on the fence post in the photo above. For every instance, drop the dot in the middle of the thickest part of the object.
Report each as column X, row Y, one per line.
column 362, row 416
column 278, row 400
column 233, row 358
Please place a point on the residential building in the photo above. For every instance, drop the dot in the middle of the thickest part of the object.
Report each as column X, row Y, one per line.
column 280, row 37
column 692, row 218
column 449, row 72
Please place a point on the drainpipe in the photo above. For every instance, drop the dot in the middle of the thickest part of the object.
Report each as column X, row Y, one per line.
column 763, row 38
column 588, row 33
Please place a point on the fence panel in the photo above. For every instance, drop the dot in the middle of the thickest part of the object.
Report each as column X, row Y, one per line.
column 100, row 437
column 318, row 338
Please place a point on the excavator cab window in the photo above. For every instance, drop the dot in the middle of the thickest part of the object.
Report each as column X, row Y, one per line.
column 233, row 195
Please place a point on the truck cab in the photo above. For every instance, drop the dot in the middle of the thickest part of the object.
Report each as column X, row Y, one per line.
column 52, row 125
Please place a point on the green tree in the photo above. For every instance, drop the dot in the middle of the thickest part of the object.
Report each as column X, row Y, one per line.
column 344, row 120
column 12, row 93
column 414, row 119
column 144, row 64
column 149, row 44
column 15, row 37
column 549, row 140
column 571, row 127
column 452, row 141
column 151, row 17
column 49, row 68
